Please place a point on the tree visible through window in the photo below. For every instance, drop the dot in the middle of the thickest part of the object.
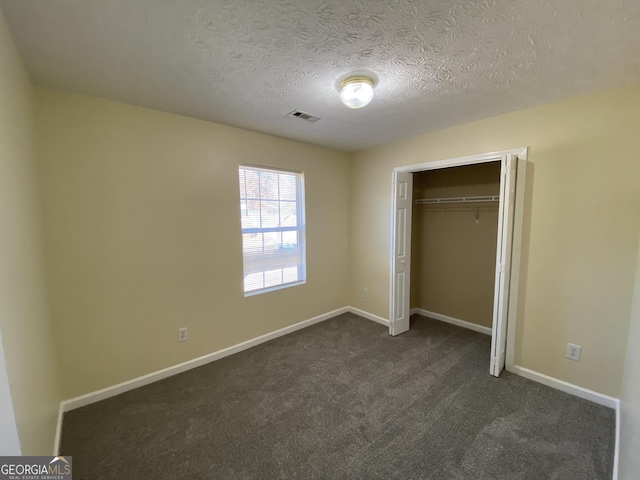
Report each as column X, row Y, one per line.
column 273, row 229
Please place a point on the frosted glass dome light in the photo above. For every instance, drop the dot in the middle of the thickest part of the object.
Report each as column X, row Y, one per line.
column 356, row 92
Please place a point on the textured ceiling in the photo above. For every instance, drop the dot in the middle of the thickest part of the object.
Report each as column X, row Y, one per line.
column 248, row 63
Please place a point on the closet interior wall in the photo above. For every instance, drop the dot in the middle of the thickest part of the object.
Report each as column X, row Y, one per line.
column 453, row 245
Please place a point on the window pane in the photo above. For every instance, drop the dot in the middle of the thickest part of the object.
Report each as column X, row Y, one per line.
column 251, row 245
column 250, row 214
column 272, row 241
column 253, row 281
column 270, row 214
column 288, row 217
column 273, row 277
column 243, row 193
column 289, row 239
column 288, row 187
column 269, row 185
column 290, row 274
column 252, row 181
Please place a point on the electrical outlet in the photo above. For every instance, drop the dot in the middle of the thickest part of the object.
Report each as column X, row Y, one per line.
column 183, row 335
column 365, row 293
column 574, row 352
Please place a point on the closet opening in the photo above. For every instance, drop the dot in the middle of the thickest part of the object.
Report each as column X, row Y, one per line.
column 455, row 245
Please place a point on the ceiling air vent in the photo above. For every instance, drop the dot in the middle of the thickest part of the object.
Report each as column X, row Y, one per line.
column 304, row 116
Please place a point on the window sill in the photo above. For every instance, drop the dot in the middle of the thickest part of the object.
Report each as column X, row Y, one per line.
column 274, row 288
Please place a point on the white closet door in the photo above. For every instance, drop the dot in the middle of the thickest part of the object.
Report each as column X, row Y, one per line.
column 503, row 263
column 401, row 252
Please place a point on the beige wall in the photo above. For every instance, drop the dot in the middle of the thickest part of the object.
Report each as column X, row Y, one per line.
column 453, row 256
column 582, row 214
column 24, row 321
column 142, row 222
column 630, row 398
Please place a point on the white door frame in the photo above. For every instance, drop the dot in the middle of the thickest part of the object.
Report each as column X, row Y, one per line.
column 9, row 441
column 521, row 154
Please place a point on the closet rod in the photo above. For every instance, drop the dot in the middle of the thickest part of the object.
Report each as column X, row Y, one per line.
column 485, row 198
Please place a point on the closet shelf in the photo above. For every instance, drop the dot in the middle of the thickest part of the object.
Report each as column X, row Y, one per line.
column 477, row 199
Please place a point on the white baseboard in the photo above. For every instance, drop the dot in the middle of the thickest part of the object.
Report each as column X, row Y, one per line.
column 369, row 316
column 581, row 392
column 567, row 387
column 123, row 387
column 451, row 320
column 114, row 390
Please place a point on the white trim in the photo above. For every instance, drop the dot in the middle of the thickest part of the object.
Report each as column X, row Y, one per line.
column 301, row 227
column 581, row 392
column 467, row 160
column 109, row 392
column 10, row 440
column 56, row 441
column 451, row 320
column 567, row 387
column 368, row 316
column 114, row 390
column 392, row 251
column 521, row 153
column 616, row 452
column 282, row 286
column 516, row 258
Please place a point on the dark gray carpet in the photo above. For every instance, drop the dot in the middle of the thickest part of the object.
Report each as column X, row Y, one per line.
column 344, row 400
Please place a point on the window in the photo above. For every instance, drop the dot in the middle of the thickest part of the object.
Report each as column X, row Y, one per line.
column 273, row 228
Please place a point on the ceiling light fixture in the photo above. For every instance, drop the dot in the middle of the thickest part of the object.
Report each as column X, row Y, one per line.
column 356, row 92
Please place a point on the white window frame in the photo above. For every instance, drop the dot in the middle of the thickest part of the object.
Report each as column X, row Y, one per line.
column 300, row 228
